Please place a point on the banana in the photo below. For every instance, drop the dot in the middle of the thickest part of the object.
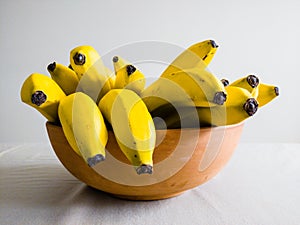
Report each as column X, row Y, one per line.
column 93, row 75
column 239, row 106
column 190, row 87
column 249, row 82
column 128, row 76
column 205, row 50
column 43, row 94
column 266, row 93
column 111, row 78
column 132, row 125
column 197, row 55
column 65, row 77
column 203, row 87
column 84, row 127
column 189, row 72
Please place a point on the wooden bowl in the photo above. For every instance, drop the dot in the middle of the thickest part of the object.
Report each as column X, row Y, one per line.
column 183, row 159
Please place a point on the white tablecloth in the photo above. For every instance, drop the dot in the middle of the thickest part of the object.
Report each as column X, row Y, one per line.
column 259, row 186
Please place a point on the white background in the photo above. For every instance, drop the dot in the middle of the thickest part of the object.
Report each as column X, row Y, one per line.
column 259, row 37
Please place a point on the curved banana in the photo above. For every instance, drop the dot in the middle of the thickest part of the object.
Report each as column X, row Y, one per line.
column 205, row 50
column 43, row 94
column 119, row 63
column 128, row 76
column 188, row 71
column 249, row 82
column 111, row 77
column 65, row 77
column 197, row 55
column 201, row 87
column 239, row 106
column 132, row 125
column 266, row 93
column 84, row 127
column 93, row 75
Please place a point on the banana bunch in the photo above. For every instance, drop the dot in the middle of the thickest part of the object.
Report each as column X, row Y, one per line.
column 87, row 99
column 85, row 96
column 244, row 97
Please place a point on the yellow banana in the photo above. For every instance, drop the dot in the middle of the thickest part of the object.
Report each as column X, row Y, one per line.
column 111, row 78
column 249, row 82
column 186, row 88
column 164, row 91
column 197, row 55
column 119, row 63
column 188, row 71
column 65, row 77
column 132, row 125
column 84, row 127
column 266, row 93
column 93, row 75
column 205, row 50
column 239, row 106
column 128, row 76
column 43, row 94
column 202, row 86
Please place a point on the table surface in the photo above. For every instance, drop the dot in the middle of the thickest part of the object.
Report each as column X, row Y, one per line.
column 260, row 185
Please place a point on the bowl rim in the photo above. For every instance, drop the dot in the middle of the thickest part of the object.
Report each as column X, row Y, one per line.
column 186, row 128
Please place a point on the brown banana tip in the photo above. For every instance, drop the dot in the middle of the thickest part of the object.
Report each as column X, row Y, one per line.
column 130, row 69
column 252, row 80
column 214, row 44
column 251, row 106
column 115, row 59
column 92, row 161
column 144, row 169
column 51, row 67
column 219, row 98
column 276, row 89
column 225, row 82
column 79, row 59
column 38, row 98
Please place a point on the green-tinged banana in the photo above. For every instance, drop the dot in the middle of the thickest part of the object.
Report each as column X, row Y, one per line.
column 65, row 77
column 84, row 127
column 239, row 106
column 43, row 94
column 132, row 125
column 128, row 76
column 249, row 82
column 266, row 93
column 93, row 75
column 201, row 87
